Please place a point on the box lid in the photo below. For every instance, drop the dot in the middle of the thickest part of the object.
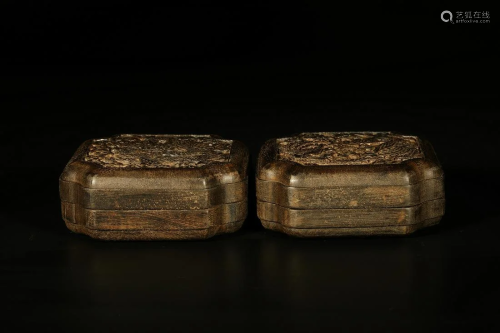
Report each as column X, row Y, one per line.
column 348, row 170
column 175, row 162
column 346, row 159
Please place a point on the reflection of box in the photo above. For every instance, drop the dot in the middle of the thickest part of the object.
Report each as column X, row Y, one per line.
column 147, row 187
column 335, row 184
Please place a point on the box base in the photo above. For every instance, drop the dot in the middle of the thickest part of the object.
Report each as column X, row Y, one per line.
column 354, row 231
column 148, row 235
column 350, row 218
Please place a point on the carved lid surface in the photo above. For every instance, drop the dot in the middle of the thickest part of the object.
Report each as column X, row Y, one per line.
column 158, row 151
column 349, row 148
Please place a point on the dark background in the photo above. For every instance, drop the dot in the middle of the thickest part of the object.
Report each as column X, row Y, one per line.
column 247, row 72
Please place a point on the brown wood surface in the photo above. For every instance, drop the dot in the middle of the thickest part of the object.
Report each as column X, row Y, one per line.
column 356, row 231
column 270, row 168
column 151, row 199
column 91, row 175
column 149, row 187
column 154, row 219
column 349, row 196
column 328, row 184
column 147, row 235
column 352, row 218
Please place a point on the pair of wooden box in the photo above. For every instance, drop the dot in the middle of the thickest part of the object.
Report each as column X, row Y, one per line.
column 336, row 184
column 152, row 187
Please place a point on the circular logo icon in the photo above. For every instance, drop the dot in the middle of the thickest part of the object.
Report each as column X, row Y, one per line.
column 447, row 16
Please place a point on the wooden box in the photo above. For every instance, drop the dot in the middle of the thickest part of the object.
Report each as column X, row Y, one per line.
column 352, row 184
column 155, row 187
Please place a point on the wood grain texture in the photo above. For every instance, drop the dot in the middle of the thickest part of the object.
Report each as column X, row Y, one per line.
column 355, row 231
column 349, row 183
column 157, row 235
column 344, row 217
column 152, row 199
column 154, row 219
column 408, row 172
column 96, row 176
column 138, row 186
column 350, row 196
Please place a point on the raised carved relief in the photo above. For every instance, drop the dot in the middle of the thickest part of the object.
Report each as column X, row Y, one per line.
column 349, row 148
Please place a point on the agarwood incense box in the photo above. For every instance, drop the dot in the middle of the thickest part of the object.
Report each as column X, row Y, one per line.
column 155, row 187
column 352, row 184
